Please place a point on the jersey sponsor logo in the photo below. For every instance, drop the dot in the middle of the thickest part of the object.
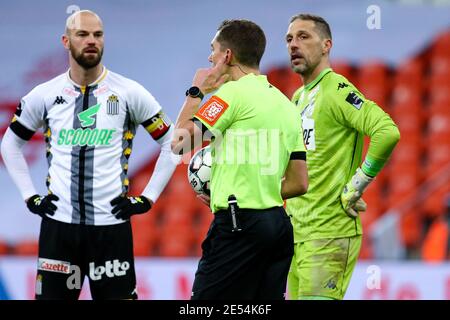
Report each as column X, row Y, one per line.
column 101, row 90
column 53, row 265
column 309, row 136
column 86, row 117
column 342, row 85
column 111, row 269
column 157, row 125
column 86, row 136
column 354, row 100
column 83, row 137
column 112, row 105
column 59, row 100
column 70, row 92
column 212, row 110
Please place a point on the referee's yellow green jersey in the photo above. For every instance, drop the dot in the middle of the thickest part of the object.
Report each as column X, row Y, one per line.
column 256, row 129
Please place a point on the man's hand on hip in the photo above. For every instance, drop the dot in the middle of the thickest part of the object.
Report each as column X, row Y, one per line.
column 124, row 207
column 42, row 205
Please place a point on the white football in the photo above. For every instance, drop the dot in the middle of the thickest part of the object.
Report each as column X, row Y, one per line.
column 199, row 171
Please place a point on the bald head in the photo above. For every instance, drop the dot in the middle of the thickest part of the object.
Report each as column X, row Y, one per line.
column 79, row 18
column 84, row 39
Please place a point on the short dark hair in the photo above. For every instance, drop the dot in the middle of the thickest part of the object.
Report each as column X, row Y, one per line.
column 245, row 38
column 321, row 25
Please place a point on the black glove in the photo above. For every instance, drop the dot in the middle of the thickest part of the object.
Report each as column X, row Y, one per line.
column 125, row 207
column 42, row 205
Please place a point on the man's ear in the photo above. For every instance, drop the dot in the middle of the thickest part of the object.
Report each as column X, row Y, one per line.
column 65, row 41
column 228, row 56
column 326, row 46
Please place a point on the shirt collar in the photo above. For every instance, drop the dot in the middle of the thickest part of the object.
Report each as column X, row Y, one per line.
column 318, row 78
column 98, row 80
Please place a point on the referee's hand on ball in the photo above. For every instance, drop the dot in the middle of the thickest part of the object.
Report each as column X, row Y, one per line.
column 204, row 198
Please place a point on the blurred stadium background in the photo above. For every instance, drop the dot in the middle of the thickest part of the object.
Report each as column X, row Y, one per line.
column 404, row 66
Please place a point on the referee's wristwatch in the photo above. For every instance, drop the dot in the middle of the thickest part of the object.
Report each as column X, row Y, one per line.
column 194, row 92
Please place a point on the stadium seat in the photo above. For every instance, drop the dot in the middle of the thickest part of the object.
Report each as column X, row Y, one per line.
column 437, row 139
column 435, row 200
column 439, row 89
column 4, row 248
column 405, row 100
column 286, row 80
column 435, row 248
column 441, row 46
column 145, row 235
column 176, row 212
column 410, row 72
column 403, row 182
column 344, row 68
column 26, row 248
column 373, row 82
column 176, row 241
column 408, row 122
column 440, row 65
column 373, row 197
column 411, row 228
column 407, row 152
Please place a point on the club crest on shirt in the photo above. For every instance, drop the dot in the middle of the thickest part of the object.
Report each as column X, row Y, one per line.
column 112, row 105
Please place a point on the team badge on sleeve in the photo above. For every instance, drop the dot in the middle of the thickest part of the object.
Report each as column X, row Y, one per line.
column 212, row 110
column 157, row 125
column 354, row 100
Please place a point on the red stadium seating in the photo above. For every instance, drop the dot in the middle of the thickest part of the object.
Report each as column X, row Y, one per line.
column 4, row 248
column 284, row 79
column 411, row 228
column 176, row 241
column 26, row 248
column 344, row 68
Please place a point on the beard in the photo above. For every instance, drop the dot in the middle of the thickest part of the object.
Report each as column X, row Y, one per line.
column 86, row 62
column 302, row 68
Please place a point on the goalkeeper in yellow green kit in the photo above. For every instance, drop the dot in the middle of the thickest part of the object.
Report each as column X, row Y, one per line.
column 335, row 119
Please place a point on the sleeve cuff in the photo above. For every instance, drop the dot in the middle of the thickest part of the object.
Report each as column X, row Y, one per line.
column 298, row 155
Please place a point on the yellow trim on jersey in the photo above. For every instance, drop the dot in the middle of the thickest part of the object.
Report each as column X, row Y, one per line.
column 102, row 77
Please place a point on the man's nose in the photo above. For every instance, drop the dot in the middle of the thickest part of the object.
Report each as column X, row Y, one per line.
column 91, row 39
column 293, row 45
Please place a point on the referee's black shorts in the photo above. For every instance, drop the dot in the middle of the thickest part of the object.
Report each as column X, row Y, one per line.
column 69, row 252
column 250, row 264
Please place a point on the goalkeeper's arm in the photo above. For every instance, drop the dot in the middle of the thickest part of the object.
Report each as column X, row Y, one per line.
column 383, row 139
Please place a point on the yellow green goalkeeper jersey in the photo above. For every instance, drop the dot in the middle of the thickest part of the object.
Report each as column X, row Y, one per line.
column 335, row 118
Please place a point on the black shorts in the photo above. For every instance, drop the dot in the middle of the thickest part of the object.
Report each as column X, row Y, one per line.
column 69, row 252
column 250, row 264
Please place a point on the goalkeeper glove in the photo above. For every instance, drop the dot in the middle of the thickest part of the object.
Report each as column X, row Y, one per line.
column 353, row 190
column 124, row 207
column 42, row 205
